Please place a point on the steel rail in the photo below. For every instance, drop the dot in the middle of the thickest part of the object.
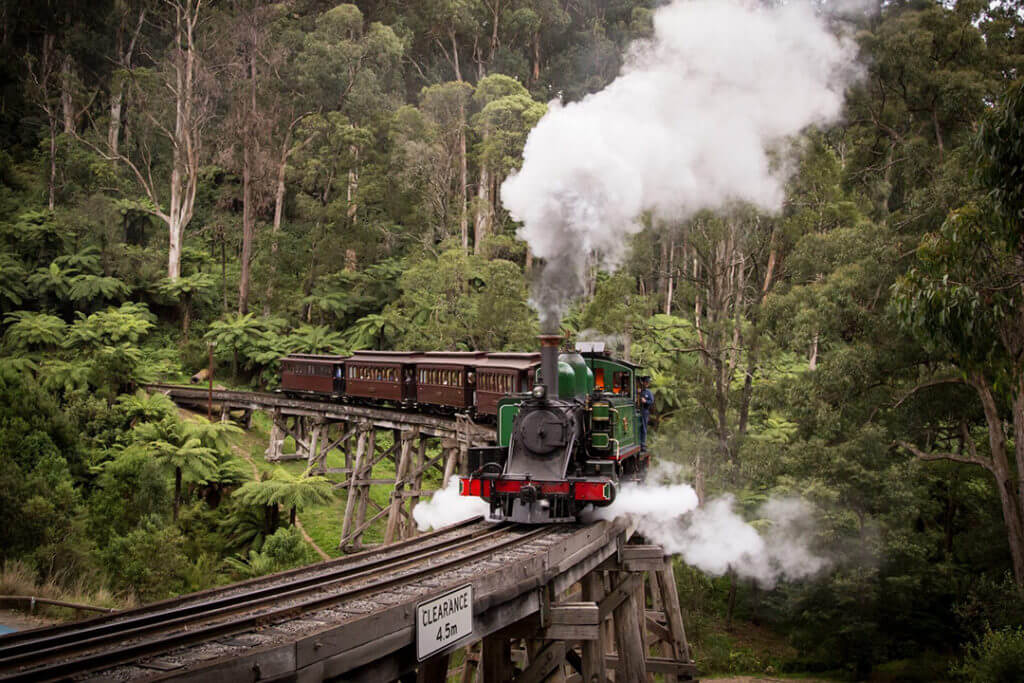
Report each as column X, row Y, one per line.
column 195, row 630
column 273, row 592
column 13, row 643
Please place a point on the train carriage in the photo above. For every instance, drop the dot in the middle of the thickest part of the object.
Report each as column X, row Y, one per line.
column 310, row 373
column 447, row 379
column 500, row 374
column 382, row 375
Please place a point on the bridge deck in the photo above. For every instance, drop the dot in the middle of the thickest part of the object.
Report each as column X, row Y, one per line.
column 386, row 418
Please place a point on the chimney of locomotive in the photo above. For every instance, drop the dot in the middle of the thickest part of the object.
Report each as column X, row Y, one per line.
column 549, row 362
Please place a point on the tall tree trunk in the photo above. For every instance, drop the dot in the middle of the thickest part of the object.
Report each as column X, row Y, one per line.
column 187, row 127
column 663, row 265
column 114, row 127
column 353, row 186
column 463, row 179
column 52, row 181
column 279, row 196
column 66, row 101
column 463, row 163
column 177, row 491
column 1013, row 510
column 671, row 277
column 535, row 73
column 248, row 210
column 482, row 224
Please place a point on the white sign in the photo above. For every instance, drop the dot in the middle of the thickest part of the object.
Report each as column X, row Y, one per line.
column 443, row 620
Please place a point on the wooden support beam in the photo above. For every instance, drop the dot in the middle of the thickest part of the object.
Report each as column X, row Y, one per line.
column 394, row 517
column 363, row 492
column 670, row 599
column 572, row 621
column 497, row 659
column 657, row 632
column 659, row 665
column 622, row 590
column 276, row 444
column 628, row 639
column 417, row 483
column 593, row 650
column 470, row 663
column 433, row 670
column 451, row 460
column 543, row 663
column 350, row 504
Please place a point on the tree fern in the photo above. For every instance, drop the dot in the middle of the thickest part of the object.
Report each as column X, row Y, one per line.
column 28, row 329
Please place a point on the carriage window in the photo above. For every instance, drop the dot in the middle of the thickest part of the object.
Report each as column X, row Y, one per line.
column 599, row 379
column 621, row 382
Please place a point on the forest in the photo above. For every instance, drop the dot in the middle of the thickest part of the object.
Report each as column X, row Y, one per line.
column 246, row 179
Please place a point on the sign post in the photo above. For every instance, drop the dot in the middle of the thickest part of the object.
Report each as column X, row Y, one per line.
column 443, row 621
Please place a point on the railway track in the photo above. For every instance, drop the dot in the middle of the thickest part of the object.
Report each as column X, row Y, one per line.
column 343, row 586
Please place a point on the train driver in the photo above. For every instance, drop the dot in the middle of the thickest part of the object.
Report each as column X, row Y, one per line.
column 646, row 401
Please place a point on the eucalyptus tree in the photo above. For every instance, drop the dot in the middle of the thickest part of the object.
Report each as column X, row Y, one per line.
column 169, row 132
column 965, row 297
column 507, row 114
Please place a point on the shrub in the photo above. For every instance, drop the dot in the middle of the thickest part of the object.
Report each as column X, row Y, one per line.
column 997, row 658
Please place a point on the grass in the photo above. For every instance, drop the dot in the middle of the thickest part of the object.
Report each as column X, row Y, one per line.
column 323, row 522
column 17, row 578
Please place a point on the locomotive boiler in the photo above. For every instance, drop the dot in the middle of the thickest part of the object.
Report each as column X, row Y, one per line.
column 566, row 444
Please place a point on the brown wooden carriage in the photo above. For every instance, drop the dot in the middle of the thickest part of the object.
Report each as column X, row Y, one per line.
column 500, row 374
column 447, row 378
column 313, row 373
column 385, row 375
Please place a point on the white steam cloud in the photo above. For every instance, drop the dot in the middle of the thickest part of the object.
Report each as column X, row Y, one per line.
column 689, row 124
column 715, row 539
column 446, row 507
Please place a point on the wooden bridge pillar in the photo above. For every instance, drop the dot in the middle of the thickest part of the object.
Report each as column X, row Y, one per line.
column 568, row 641
column 403, row 464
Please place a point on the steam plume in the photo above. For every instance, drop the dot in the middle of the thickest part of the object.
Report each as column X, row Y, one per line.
column 446, row 507
column 715, row 539
column 687, row 125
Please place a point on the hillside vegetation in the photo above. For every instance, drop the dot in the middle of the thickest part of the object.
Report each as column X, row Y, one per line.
column 305, row 176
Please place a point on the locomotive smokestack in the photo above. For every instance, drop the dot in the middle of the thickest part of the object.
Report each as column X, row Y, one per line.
column 549, row 361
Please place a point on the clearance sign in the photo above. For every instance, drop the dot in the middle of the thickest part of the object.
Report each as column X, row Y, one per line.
column 443, row 620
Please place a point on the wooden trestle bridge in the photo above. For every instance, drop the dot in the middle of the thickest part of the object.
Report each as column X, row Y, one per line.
column 419, row 442
column 569, row 603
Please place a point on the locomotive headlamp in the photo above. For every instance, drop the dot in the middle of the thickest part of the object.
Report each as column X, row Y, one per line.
column 539, row 391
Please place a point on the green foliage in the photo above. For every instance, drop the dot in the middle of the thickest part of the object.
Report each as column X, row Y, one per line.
column 147, row 561
column 997, row 658
column 460, row 302
column 28, row 329
column 314, row 339
column 248, row 339
column 89, row 288
column 282, row 550
column 12, row 281
column 129, row 323
column 782, row 346
column 288, row 491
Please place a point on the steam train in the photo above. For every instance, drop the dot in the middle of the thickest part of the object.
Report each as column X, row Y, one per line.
column 567, row 423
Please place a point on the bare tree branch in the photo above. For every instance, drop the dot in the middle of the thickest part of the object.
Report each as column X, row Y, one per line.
column 966, row 459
